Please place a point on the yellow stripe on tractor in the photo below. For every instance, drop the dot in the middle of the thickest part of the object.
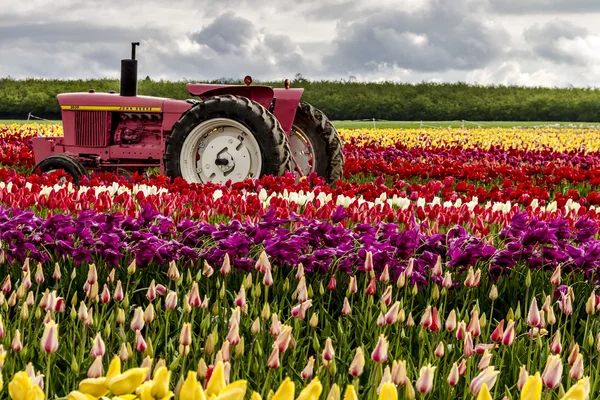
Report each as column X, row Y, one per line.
column 111, row 108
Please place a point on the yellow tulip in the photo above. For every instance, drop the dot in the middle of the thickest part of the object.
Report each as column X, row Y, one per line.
column 484, row 393
column 532, row 390
column 388, row 392
column 350, row 393
column 217, row 380
column 94, row 386
column 256, row 396
column 77, row 395
column 286, row 390
column 334, row 393
column 162, row 378
column 144, row 392
column 36, row 393
column 191, row 389
column 312, row 391
column 114, row 368
column 128, row 381
column 579, row 391
column 236, row 391
column 124, row 397
column 19, row 386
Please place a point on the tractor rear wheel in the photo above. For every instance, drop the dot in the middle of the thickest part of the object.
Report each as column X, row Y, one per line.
column 315, row 145
column 57, row 162
column 226, row 138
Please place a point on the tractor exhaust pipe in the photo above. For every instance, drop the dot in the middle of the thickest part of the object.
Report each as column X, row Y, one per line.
column 129, row 74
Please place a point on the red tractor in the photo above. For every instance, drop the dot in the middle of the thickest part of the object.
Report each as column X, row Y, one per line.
column 231, row 132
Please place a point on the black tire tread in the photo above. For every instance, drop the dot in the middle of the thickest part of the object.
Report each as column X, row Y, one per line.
column 60, row 161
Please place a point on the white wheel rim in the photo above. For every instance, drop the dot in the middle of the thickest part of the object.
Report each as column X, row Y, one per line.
column 303, row 152
column 224, row 139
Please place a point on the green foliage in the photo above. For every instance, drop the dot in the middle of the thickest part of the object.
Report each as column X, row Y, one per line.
column 349, row 101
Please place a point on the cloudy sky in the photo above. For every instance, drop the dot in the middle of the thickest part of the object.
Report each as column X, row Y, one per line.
column 524, row 42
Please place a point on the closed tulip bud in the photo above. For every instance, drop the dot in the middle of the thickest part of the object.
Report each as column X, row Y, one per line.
column 533, row 317
column 12, row 299
column 487, row 377
column 424, row 384
column 239, row 348
column 307, row 372
column 485, row 360
column 385, row 275
column 6, row 285
column 266, row 311
column 151, row 292
column 509, row 334
column 185, row 337
column 171, row 300
column 331, row 286
column 409, row 391
column 523, row 377
column 380, row 353
column 93, row 294
column 173, row 272
column 194, row 297
column 123, row 354
column 468, row 349
column 105, row 295
column 426, row 318
column 439, row 350
column 353, row 287
column 358, row 363
column 255, row 328
column 92, row 276
column 268, row 278
column 552, row 374
column 132, row 267
column 576, row 372
column 451, row 321
column 209, row 345
column 118, row 294
column 410, row 322
column 555, row 278
column 39, row 274
column 120, row 320
column 474, row 327
column 240, row 299
column 313, row 321
column 497, row 334
column 328, row 351
column 24, row 312
column 528, row 278
column 89, row 321
column 137, row 323
column 149, row 314
column 493, row 293
column 462, row 367
column 275, row 325
column 346, row 309
column 140, row 343
column 98, row 347
column 21, row 291
column 368, row 262
column 273, row 360
column 226, row 266
column 334, row 393
column 202, row 369
column 49, row 341
column 590, row 305
column 556, row 346
column 391, row 317
column 454, row 376
column 573, row 355
column 95, row 370
column 111, row 276
column 371, row 287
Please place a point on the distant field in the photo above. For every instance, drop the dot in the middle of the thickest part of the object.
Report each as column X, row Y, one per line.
column 411, row 124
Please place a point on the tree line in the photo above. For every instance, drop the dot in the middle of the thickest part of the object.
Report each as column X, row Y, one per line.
column 348, row 100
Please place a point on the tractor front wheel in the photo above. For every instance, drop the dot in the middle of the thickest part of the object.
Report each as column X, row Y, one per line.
column 61, row 162
column 226, row 138
column 315, row 145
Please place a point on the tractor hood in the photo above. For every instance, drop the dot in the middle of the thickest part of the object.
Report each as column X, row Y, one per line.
column 109, row 102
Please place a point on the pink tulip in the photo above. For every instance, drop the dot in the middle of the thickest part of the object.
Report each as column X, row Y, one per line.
column 437, row 268
column 92, row 274
column 307, row 372
column 380, row 353
column 386, row 297
column 533, row 317
column 26, row 280
column 263, row 263
column 300, row 271
column 226, row 266
column 123, row 353
column 447, row 281
column 552, row 374
column 439, row 350
column 194, row 299
column 105, row 295
column 474, row 327
column 391, row 317
column 6, row 285
column 59, row 305
column 565, row 304
column 346, row 309
column 481, row 348
column 523, row 376
column 409, row 268
column 485, row 361
column 461, row 329
column 332, row 283
column 380, row 320
column 284, row 339
column 436, row 324
column 487, row 376
column 185, row 336
column 118, row 294
column 161, row 290
column 451, row 321
column 509, row 334
column 556, row 346
column 454, row 376
column 225, row 350
column 498, row 333
column 173, row 272
column 576, row 372
column 268, row 278
column 573, row 355
column 39, row 274
column 16, row 344
column 424, row 384
column 426, row 319
column 273, row 360
column 240, row 299
column 275, row 325
column 369, row 262
column 95, row 370
column 358, row 363
column 207, row 270
column 171, row 300
column 83, row 312
column 328, row 351
column 353, row 286
column 137, row 323
column 385, row 275
column 468, row 345
column 462, row 367
column 50, row 337
column 372, row 287
column 151, row 293
column 302, row 292
column 140, row 343
column 204, row 304
column 98, row 347
column 555, row 278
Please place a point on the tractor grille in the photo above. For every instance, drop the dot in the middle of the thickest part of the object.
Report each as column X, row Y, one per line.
column 92, row 128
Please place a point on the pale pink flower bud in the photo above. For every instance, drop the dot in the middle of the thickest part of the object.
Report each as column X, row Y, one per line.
column 207, row 270
column 424, row 384
column 263, row 263
column 468, row 345
column 523, row 376
column 137, row 323
column 439, row 350
column 573, row 355
column 39, row 274
column 437, row 268
column 302, row 292
column 462, row 367
column 470, row 279
column 555, row 278
column 6, row 285
column 552, row 374
column 332, row 283
column 226, row 350
column 118, row 295
column 447, row 281
column 161, row 290
column 59, row 305
column 26, row 280
column 358, row 363
column 480, row 348
column 436, row 323
column 149, row 314
column 410, row 322
column 371, row 287
column 399, row 372
column 353, row 286
column 92, row 274
column 111, row 276
column 240, row 299
column 497, row 334
column 426, row 319
column 533, row 317
column 151, row 293
column 273, row 360
column 485, row 360
column 268, row 278
column 555, row 345
column 123, row 353
column 255, row 328
column 173, row 272
column 328, row 351
column 454, row 376
column 576, row 372
column 451, row 321
column 474, row 327
column 275, row 325
column 95, row 370
column 105, row 295
column 565, row 304
column 386, row 298
column 346, row 309
column 185, row 337
column 50, row 337
column 307, row 372
column 204, row 303
column 391, row 317
column 98, row 347
column 385, row 275
column 409, row 267
column 380, row 353
column 171, row 300
column 369, row 262
column 226, row 266
column 284, row 338
column 140, row 343
column 29, row 299
column 509, row 334
column 487, row 376
column 300, row 271
column 194, row 298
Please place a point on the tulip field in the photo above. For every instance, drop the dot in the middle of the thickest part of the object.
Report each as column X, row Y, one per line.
column 447, row 264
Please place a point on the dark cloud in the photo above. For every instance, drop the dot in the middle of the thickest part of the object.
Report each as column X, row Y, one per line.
column 545, row 41
column 439, row 38
column 544, row 6
column 227, row 34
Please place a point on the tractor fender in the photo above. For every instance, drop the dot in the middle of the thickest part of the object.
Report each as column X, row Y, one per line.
column 286, row 104
column 261, row 94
